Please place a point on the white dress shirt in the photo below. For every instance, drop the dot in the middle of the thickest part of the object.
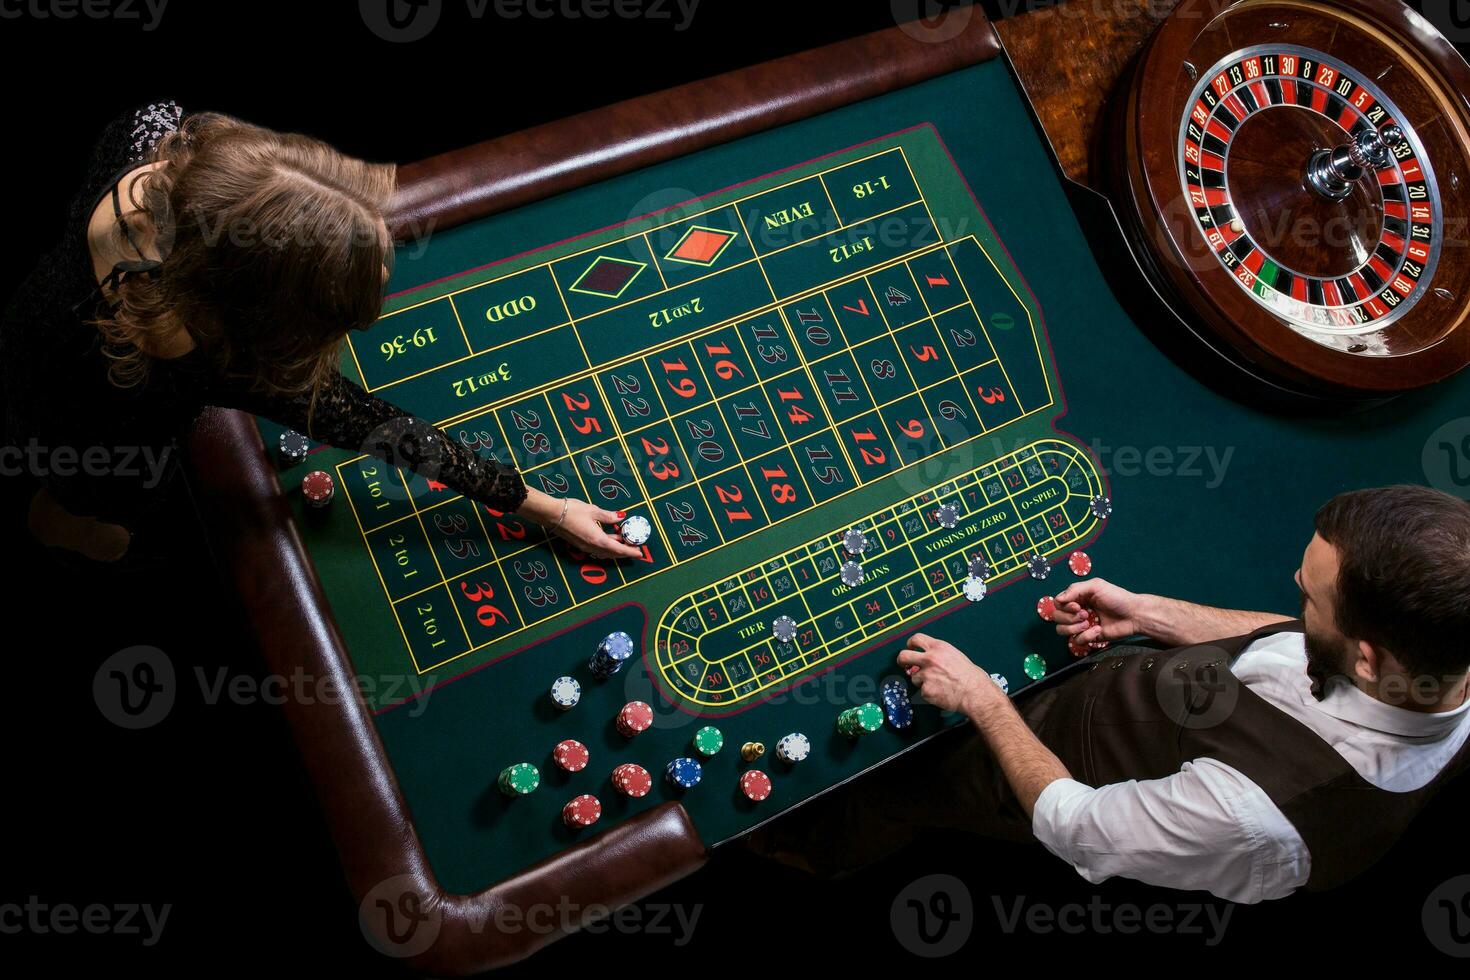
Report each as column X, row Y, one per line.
column 1208, row 827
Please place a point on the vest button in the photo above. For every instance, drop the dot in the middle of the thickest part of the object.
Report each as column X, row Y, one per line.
column 1212, row 663
column 1148, row 664
column 1117, row 663
column 1182, row 665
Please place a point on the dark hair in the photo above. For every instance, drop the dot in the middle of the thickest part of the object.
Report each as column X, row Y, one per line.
column 1404, row 579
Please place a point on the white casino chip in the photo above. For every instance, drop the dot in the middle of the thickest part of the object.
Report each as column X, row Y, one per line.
column 636, row 530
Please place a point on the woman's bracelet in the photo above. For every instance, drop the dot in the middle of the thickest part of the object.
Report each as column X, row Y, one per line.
column 565, row 504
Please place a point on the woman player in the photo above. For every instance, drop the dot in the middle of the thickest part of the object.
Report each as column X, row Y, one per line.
column 210, row 262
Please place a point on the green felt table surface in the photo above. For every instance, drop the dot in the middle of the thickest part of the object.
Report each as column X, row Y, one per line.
column 1213, row 498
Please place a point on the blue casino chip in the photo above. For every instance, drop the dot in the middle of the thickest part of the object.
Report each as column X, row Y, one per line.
column 897, row 707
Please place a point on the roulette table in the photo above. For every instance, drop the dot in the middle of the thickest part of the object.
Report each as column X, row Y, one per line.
column 874, row 338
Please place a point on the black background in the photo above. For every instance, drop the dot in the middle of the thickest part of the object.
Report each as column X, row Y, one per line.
column 209, row 812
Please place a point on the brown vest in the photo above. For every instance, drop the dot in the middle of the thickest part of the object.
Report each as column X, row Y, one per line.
column 1143, row 716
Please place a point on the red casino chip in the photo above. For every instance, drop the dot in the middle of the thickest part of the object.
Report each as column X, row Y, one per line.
column 581, row 811
column 1079, row 563
column 631, row 779
column 1077, row 648
column 1046, row 607
column 756, row 785
column 318, row 488
column 571, row 755
column 635, row 717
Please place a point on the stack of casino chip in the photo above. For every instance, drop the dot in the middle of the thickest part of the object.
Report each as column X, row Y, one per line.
column 793, row 748
column 897, row 707
column 861, row 720
column 755, row 784
column 318, row 488
column 684, row 772
column 581, row 811
column 292, row 447
column 708, row 740
column 631, row 779
column 566, row 692
column 635, row 717
column 519, row 779
column 611, row 654
column 571, row 755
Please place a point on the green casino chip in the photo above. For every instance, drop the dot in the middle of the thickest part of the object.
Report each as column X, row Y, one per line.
column 1034, row 666
column 519, row 779
column 708, row 740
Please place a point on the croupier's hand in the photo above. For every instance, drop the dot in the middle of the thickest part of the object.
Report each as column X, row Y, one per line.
column 947, row 678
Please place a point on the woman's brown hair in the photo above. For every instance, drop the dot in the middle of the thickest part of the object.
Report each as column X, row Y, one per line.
column 273, row 249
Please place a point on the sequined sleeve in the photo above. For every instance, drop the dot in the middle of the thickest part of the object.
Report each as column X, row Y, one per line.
column 348, row 417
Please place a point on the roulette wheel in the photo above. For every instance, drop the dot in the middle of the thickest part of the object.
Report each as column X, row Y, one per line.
column 1293, row 176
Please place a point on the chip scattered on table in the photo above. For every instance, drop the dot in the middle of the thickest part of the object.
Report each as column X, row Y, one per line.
column 974, row 588
column 632, row 780
column 898, row 708
column 1079, row 563
column 684, row 772
column 855, row 541
column 1001, row 682
column 636, row 530
column 614, row 651
column 852, row 574
column 793, row 748
column 566, row 692
column 635, row 717
column 979, row 567
column 519, row 779
column 571, row 755
column 783, row 628
column 708, row 740
column 318, row 488
column 293, row 447
column 1101, row 507
column 948, row 516
column 1034, row 666
column 1038, row 566
column 863, row 719
column 755, row 784
column 582, row 811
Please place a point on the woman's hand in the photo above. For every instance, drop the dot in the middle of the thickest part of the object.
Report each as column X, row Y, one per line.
column 582, row 527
